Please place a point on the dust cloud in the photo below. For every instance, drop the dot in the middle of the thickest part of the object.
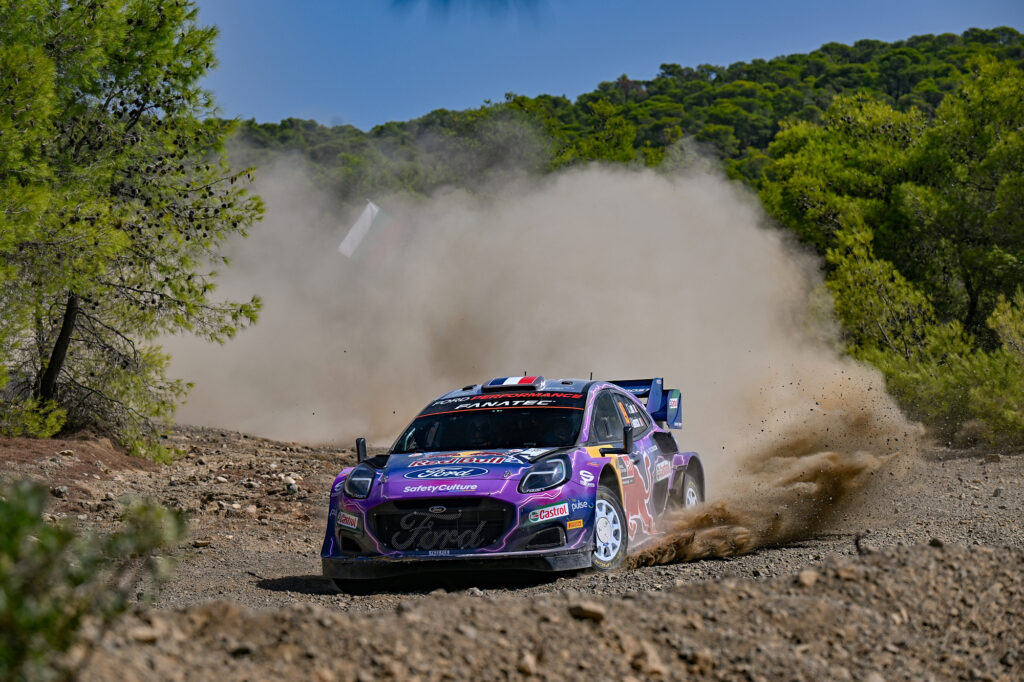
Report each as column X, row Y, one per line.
column 620, row 272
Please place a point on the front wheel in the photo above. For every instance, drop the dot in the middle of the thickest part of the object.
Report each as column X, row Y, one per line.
column 610, row 538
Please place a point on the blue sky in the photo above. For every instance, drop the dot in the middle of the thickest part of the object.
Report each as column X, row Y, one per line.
column 366, row 62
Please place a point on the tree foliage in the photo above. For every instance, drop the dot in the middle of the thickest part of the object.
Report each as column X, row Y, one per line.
column 920, row 221
column 900, row 163
column 735, row 111
column 115, row 198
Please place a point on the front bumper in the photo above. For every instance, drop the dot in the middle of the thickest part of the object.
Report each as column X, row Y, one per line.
column 383, row 567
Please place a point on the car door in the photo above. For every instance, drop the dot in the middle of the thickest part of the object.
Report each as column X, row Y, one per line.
column 608, row 419
column 652, row 464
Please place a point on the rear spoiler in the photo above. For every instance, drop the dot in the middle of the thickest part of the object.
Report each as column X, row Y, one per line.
column 664, row 405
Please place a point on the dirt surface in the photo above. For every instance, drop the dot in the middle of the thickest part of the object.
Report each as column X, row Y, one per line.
column 922, row 578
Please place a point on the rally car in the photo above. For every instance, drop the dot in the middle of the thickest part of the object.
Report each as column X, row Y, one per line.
column 519, row 472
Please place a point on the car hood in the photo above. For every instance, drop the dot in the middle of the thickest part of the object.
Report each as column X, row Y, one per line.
column 454, row 472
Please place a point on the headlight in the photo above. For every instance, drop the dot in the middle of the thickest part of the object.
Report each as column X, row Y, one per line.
column 358, row 483
column 545, row 475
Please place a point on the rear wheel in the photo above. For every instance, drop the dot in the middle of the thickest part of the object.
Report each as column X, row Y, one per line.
column 610, row 537
column 692, row 492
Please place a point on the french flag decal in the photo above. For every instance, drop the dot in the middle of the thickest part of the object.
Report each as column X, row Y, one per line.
column 512, row 381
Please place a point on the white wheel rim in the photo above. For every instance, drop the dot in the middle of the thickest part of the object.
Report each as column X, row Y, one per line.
column 607, row 531
column 691, row 496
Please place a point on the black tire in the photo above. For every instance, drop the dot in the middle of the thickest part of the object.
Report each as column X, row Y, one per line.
column 690, row 493
column 611, row 533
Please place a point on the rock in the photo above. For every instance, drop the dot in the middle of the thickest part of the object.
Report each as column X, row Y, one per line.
column 242, row 649
column 251, row 510
column 66, row 453
column 143, row 634
column 475, row 592
column 288, row 480
column 60, row 492
column 997, row 492
column 201, row 543
column 874, row 677
column 292, row 488
column 527, row 663
column 807, row 577
column 863, row 546
column 221, row 479
column 992, row 458
column 109, row 496
column 935, row 542
column 587, row 610
column 848, row 572
column 648, row 661
column 704, row 661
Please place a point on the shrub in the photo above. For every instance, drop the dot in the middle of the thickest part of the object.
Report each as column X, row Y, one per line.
column 54, row 580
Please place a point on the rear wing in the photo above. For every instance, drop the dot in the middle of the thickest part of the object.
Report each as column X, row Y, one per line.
column 664, row 405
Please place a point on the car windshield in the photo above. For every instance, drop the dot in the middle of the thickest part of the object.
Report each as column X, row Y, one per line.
column 484, row 429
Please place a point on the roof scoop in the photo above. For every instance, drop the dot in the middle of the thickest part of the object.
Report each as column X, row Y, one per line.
column 512, row 384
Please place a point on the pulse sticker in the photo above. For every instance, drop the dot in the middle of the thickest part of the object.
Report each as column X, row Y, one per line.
column 581, row 504
column 554, row 511
column 447, row 472
column 573, row 525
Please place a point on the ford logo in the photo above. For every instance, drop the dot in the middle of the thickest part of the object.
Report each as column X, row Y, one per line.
column 437, row 509
column 447, row 472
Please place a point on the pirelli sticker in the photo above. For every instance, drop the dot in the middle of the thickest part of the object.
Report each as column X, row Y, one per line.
column 575, row 524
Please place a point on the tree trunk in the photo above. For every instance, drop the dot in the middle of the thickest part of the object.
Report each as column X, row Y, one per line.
column 48, row 384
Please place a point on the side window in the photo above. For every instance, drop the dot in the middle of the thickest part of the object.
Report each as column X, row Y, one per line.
column 633, row 414
column 607, row 421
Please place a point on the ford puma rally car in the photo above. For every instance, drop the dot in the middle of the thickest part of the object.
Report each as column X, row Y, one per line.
column 522, row 473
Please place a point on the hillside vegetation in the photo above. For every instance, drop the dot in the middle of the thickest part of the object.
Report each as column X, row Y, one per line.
column 899, row 163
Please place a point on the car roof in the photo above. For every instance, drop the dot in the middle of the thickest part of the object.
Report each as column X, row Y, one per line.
column 573, row 385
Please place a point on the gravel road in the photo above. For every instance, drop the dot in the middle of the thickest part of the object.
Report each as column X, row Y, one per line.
column 920, row 578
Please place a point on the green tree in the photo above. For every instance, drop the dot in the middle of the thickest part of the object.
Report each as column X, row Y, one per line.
column 967, row 192
column 134, row 200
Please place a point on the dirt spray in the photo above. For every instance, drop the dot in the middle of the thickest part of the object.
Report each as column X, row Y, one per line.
column 619, row 272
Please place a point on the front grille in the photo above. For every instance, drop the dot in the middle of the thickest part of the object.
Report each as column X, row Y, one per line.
column 440, row 523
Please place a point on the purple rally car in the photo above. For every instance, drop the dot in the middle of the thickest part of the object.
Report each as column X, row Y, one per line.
column 520, row 472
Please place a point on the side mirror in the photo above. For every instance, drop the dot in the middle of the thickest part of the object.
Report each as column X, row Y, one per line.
column 627, row 443
column 360, row 449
